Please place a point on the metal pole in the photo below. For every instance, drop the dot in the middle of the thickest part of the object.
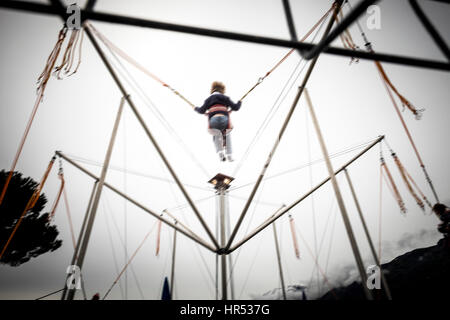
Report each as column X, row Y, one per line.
column 180, row 223
column 221, row 192
column 339, row 198
column 280, row 268
column 98, row 192
column 217, row 254
column 230, row 259
column 279, row 213
column 431, row 30
column 80, row 236
column 191, row 235
column 149, row 135
column 124, row 20
column 172, row 273
column 290, row 21
column 280, row 135
column 369, row 238
column 360, row 8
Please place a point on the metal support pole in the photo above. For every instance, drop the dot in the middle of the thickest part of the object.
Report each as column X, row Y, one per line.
column 90, row 5
column 98, row 192
column 217, row 254
column 190, row 234
column 131, row 21
column 431, row 30
column 290, row 22
column 282, row 211
column 165, row 211
column 221, row 192
column 360, row 8
column 172, row 273
column 280, row 268
column 369, row 238
column 150, row 136
column 230, row 258
column 339, row 198
column 280, row 135
column 80, row 236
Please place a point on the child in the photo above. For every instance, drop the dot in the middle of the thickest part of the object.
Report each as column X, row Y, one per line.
column 217, row 106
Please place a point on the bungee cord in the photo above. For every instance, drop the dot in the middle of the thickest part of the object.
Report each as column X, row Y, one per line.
column 417, row 112
column 134, row 85
column 280, row 98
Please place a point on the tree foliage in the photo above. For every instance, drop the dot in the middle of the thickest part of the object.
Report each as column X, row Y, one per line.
column 35, row 235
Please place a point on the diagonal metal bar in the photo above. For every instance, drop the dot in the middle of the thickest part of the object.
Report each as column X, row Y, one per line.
column 290, row 22
column 90, row 5
column 339, row 198
column 369, row 238
column 152, row 139
column 57, row 4
column 296, row 202
column 431, row 30
column 190, row 234
column 125, row 20
column 80, row 237
column 344, row 24
column 280, row 134
column 176, row 220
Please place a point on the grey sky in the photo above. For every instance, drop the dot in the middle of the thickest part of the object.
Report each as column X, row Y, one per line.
column 351, row 103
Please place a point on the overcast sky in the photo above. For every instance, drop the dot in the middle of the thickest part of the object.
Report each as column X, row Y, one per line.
column 350, row 101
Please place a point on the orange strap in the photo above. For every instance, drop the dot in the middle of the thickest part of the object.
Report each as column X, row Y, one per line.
column 42, row 83
column 405, row 179
column 380, row 212
column 405, row 102
column 125, row 56
column 30, row 204
column 261, row 79
column 410, row 179
column 294, row 237
column 158, row 237
column 69, row 218
column 345, row 36
column 58, row 197
column 62, row 191
column 70, row 53
column 393, row 186
column 425, row 199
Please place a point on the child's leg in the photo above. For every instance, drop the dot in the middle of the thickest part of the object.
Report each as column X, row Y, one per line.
column 217, row 138
column 228, row 143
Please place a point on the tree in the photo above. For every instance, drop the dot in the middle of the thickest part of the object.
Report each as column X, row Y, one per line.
column 35, row 235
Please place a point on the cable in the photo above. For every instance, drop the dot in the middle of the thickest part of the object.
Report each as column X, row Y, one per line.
column 246, row 230
column 133, row 62
column 250, row 269
column 275, row 106
column 116, row 266
column 133, row 172
column 129, row 261
column 52, row 293
column 261, row 79
column 152, row 107
column 123, row 245
column 319, row 160
column 317, row 264
column 313, row 211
